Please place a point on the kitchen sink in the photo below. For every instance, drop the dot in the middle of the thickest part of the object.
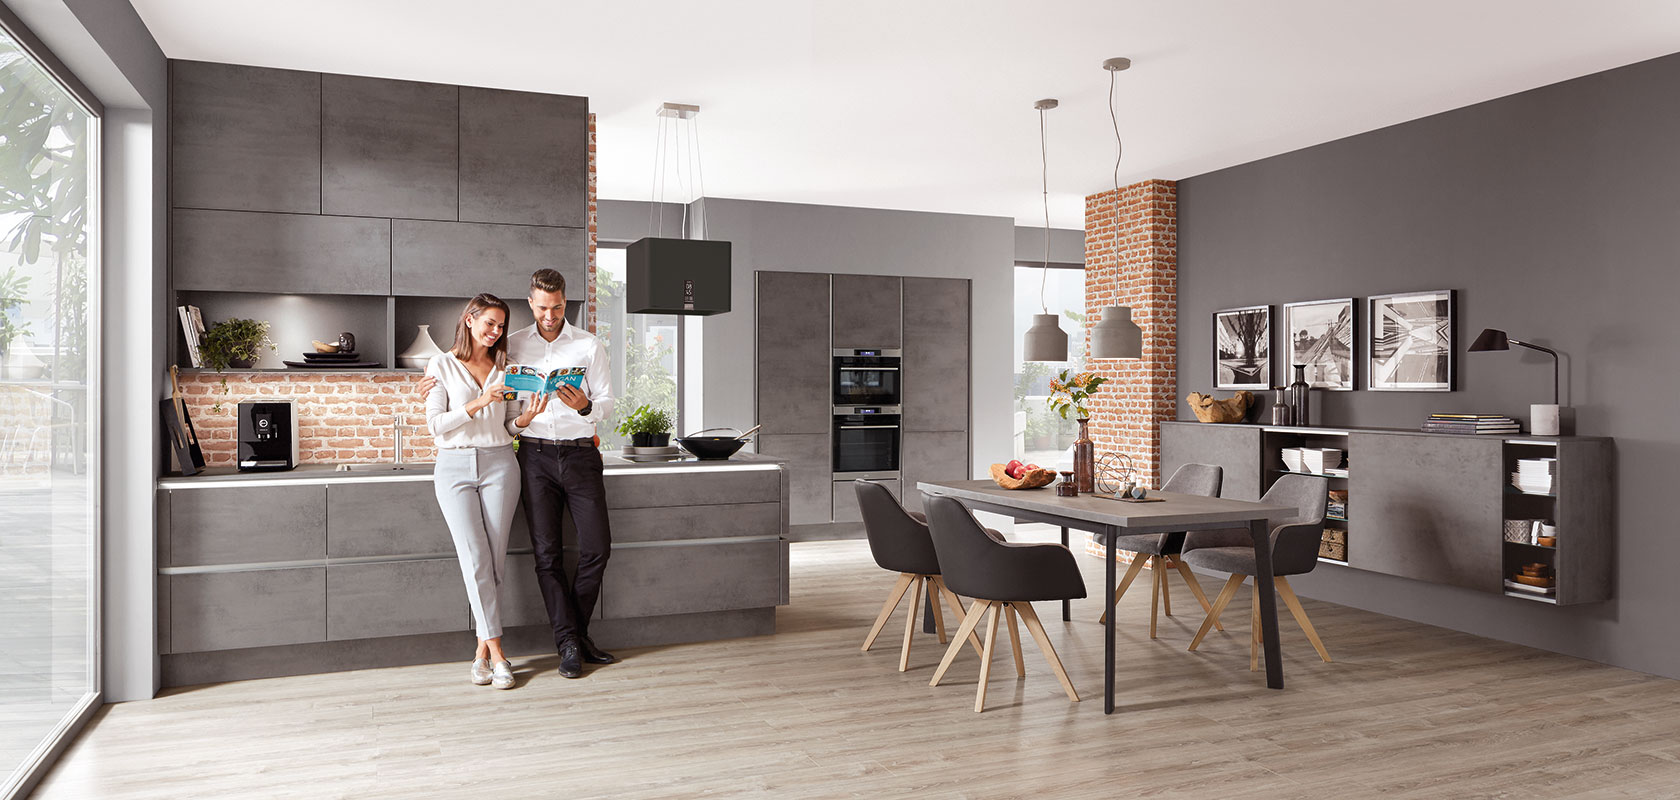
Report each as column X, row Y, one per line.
column 384, row 467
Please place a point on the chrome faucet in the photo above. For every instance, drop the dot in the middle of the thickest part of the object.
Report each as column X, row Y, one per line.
column 398, row 429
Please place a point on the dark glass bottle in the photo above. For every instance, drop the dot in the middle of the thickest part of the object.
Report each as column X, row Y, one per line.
column 1281, row 413
column 1300, row 398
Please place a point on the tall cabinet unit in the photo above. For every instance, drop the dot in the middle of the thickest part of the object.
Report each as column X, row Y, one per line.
column 793, row 398
column 936, row 383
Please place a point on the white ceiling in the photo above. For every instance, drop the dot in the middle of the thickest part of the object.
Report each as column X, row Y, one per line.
column 928, row 105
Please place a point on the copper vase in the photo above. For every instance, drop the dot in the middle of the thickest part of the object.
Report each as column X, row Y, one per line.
column 1085, row 459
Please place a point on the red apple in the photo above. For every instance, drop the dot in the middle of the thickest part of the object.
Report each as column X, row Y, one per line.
column 1031, row 468
column 1013, row 469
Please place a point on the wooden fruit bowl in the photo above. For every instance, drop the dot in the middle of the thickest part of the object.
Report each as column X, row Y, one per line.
column 1033, row 479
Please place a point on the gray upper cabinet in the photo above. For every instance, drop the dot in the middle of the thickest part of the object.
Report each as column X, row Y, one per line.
column 1426, row 507
column 244, row 138
column 242, row 251
column 867, row 311
column 388, row 148
column 794, row 355
column 461, row 259
column 524, row 158
column 936, row 354
column 1233, row 448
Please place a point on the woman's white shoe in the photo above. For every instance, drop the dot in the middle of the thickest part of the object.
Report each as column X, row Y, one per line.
column 501, row 676
column 481, row 673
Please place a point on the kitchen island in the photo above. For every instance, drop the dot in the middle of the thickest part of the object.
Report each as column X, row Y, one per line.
column 314, row 569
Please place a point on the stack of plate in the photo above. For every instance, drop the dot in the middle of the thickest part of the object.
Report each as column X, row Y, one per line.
column 667, row 453
column 331, row 360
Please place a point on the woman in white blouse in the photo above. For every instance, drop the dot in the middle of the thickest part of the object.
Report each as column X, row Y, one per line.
column 477, row 475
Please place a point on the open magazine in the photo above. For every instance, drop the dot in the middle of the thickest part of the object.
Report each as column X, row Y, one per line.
column 520, row 378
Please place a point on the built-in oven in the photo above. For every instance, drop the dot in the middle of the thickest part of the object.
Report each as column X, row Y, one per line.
column 865, row 442
column 867, row 377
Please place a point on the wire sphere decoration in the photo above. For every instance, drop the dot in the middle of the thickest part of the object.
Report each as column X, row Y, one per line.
column 1116, row 473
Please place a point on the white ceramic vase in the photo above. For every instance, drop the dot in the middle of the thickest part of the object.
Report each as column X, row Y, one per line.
column 420, row 351
column 22, row 365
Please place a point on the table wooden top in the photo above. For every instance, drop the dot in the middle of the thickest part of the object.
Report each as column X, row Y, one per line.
column 1187, row 510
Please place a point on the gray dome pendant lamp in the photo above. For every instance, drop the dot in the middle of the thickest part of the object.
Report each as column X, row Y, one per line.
column 1116, row 335
column 1045, row 340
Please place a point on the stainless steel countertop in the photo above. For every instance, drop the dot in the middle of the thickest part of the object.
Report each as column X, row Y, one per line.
column 329, row 473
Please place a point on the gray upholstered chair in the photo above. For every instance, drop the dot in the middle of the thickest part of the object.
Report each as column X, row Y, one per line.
column 1000, row 576
column 1294, row 552
column 1159, row 551
column 898, row 539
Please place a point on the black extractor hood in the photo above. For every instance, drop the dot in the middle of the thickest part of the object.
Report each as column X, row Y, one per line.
column 677, row 276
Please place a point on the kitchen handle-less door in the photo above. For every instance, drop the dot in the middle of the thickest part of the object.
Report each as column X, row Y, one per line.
column 810, row 474
column 936, row 354
column 868, row 311
column 794, row 359
column 1426, row 507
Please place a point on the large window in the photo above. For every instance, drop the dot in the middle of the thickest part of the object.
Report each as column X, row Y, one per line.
column 643, row 349
column 47, row 527
column 1041, row 437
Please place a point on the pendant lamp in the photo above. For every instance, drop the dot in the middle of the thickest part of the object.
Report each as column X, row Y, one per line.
column 1045, row 340
column 1116, row 335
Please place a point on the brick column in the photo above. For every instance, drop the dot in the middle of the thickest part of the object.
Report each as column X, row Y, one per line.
column 1131, row 259
column 589, row 313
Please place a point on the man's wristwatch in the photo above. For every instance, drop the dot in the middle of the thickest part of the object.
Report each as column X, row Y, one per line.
column 587, row 407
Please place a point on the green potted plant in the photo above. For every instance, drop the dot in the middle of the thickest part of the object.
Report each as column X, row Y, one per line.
column 236, row 343
column 647, row 427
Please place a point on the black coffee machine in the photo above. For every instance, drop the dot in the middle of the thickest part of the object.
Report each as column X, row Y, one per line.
column 268, row 435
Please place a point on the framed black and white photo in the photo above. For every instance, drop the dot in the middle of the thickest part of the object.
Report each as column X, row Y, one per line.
column 1319, row 335
column 1411, row 345
column 1242, row 348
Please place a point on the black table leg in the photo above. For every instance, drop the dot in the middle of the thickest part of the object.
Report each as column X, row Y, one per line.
column 1065, row 604
column 1261, row 531
column 1109, row 537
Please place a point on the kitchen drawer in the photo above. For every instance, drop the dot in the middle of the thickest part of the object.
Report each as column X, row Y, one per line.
column 253, row 608
column 685, row 579
column 246, row 525
column 667, row 523
column 385, row 519
column 396, row 598
column 697, row 487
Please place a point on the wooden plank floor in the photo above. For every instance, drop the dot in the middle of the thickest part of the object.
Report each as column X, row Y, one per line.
column 1406, row 711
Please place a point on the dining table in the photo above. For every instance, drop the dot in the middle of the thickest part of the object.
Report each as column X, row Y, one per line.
column 1110, row 518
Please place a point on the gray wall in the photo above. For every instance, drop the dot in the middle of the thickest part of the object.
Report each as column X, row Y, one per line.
column 1553, row 213
column 1067, row 247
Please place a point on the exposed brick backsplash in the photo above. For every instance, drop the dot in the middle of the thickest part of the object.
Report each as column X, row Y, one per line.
column 1131, row 259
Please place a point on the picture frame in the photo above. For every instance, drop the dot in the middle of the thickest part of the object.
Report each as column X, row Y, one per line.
column 1320, row 334
column 1242, row 348
column 1411, row 341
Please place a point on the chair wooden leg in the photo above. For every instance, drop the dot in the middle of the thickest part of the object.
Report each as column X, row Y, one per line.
column 1015, row 640
column 1287, row 592
column 956, row 606
column 1254, row 622
column 976, row 611
column 930, row 586
column 1163, row 563
column 1131, row 572
column 1036, row 628
column 1195, row 588
column 904, row 579
column 1219, row 603
column 910, row 622
column 986, row 657
column 1154, row 593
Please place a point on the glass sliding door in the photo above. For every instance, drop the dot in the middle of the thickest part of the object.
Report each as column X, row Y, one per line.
column 48, row 340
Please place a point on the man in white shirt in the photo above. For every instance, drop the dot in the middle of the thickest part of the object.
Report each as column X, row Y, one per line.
column 560, row 466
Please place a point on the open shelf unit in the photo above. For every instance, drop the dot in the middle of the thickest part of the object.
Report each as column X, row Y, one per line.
column 1272, row 444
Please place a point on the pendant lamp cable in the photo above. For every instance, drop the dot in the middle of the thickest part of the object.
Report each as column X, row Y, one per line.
column 1119, row 147
column 1044, row 173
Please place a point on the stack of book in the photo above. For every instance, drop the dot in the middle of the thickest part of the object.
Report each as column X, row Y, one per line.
column 1535, row 475
column 1486, row 424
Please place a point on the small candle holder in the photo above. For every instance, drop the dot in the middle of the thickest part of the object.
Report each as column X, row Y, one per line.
column 1067, row 487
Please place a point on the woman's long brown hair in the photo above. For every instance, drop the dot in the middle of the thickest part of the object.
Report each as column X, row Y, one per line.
column 463, row 347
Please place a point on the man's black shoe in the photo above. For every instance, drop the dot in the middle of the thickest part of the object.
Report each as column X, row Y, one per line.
column 595, row 655
column 570, row 667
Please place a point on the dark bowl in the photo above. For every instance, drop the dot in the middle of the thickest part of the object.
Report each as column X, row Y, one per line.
column 711, row 448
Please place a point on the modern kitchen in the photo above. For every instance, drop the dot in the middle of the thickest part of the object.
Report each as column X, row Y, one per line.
column 890, row 424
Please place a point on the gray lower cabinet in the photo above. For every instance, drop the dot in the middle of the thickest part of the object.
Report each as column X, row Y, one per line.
column 867, row 311
column 1426, row 507
column 244, row 251
column 932, row 456
column 794, row 359
column 395, row 598
column 936, row 354
column 670, row 523
column 388, row 148
column 698, row 488
column 524, row 158
column 245, row 525
column 385, row 519
column 461, row 259
column 810, row 467
column 522, row 600
column 1235, row 449
column 244, row 138
column 252, row 608
column 682, row 579
column 846, row 502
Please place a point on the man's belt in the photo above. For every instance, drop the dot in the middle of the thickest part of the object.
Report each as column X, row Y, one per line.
column 586, row 441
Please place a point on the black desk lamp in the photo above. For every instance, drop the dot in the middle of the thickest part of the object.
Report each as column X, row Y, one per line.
column 1543, row 420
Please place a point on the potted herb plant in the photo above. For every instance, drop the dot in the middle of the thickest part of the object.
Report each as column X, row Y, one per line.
column 647, row 427
column 236, row 343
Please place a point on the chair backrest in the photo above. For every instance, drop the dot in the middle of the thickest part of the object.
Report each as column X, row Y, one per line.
column 1295, row 541
column 898, row 541
column 1200, row 479
column 963, row 546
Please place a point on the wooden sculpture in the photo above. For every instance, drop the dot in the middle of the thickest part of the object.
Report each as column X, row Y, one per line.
column 1231, row 409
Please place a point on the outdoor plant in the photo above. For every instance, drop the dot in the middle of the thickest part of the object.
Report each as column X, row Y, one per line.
column 1069, row 391
column 646, row 421
column 12, row 286
column 233, row 342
